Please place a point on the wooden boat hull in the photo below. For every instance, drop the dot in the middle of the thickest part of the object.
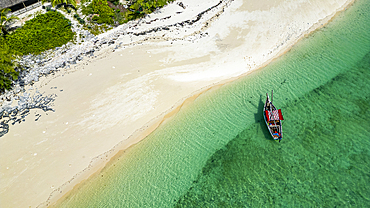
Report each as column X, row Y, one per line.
column 273, row 119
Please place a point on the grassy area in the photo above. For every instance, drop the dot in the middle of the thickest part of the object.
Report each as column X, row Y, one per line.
column 44, row 32
column 99, row 14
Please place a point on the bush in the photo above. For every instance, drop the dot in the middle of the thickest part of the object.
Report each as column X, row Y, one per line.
column 119, row 18
column 108, row 15
column 105, row 19
column 46, row 31
column 75, row 15
column 141, row 7
column 95, row 18
column 86, row 10
column 7, row 72
column 114, row 2
column 101, row 7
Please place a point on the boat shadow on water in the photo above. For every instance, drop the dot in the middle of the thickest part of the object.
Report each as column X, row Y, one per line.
column 259, row 120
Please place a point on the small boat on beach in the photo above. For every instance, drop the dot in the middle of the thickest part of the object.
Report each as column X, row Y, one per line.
column 273, row 118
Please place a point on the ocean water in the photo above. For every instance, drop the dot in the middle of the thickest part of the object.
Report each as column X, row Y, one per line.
column 216, row 151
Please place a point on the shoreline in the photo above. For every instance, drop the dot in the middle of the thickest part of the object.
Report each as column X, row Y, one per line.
column 99, row 162
column 167, row 115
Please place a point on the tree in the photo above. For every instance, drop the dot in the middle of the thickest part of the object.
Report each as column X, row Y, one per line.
column 65, row 3
column 140, row 8
column 6, row 21
column 7, row 72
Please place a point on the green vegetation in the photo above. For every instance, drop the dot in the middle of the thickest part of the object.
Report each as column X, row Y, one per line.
column 65, row 3
column 79, row 19
column 140, row 8
column 5, row 21
column 101, row 11
column 44, row 32
column 114, row 2
column 7, row 56
column 96, row 29
column 7, row 72
column 111, row 12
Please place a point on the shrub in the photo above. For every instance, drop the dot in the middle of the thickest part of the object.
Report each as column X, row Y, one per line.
column 141, row 7
column 101, row 7
column 7, row 72
column 119, row 18
column 114, row 2
column 105, row 19
column 86, row 10
column 46, row 31
column 108, row 15
column 95, row 18
column 75, row 15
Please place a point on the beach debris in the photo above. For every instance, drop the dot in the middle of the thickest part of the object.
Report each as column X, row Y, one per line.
column 181, row 5
column 16, row 112
column 4, row 128
column 38, row 117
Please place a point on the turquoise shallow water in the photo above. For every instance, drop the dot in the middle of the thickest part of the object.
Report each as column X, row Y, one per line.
column 216, row 152
column 324, row 161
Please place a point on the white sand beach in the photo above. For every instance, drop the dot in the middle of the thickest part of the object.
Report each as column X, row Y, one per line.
column 112, row 100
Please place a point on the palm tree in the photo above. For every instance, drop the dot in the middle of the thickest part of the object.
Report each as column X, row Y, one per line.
column 65, row 3
column 6, row 21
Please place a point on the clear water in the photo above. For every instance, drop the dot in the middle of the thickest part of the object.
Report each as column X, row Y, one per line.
column 216, row 152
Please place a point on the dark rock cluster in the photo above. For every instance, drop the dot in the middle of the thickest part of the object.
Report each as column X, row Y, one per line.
column 12, row 114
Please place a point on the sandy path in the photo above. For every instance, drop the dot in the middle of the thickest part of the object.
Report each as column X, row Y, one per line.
column 106, row 103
